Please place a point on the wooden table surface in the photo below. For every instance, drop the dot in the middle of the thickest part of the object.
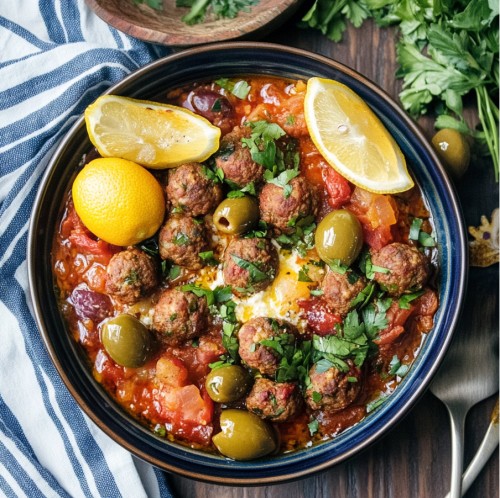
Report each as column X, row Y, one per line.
column 413, row 460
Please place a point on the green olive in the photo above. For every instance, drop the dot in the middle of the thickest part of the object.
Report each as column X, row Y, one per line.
column 127, row 341
column 453, row 149
column 228, row 383
column 244, row 436
column 236, row 216
column 339, row 237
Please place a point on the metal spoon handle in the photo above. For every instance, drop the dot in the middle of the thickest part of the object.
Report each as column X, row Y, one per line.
column 483, row 454
column 457, row 418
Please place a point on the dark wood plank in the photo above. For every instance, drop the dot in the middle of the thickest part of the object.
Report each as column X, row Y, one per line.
column 413, row 460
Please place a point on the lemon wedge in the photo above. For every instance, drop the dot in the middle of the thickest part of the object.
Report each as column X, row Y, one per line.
column 352, row 139
column 149, row 133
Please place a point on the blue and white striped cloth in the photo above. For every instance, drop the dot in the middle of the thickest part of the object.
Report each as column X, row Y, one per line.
column 56, row 56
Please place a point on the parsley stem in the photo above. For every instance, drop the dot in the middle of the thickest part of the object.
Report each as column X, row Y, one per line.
column 488, row 115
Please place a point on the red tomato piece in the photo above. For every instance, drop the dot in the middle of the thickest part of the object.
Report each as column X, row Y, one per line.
column 320, row 319
column 338, row 188
column 396, row 318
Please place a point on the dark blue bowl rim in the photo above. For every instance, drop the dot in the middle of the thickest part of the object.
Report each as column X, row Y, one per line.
column 237, row 58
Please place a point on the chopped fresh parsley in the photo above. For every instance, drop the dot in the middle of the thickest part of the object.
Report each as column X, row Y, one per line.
column 199, row 9
column 208, row 258
column 302, row 237
column 303, row 275
column 262, row 142
column 132, row 277
column 154, row 4
column 255, row 273
column 181, row 239
column 313, row 427
column 397, row 368
column 222, row 306
column 368, row 268
column 282, row 180
column 405, row 300
column 239, row 88
column 417, row 234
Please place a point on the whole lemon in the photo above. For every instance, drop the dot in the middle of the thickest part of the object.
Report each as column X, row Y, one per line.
column 118, row 201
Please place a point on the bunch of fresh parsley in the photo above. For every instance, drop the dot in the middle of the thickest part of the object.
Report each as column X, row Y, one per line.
column 447, row 50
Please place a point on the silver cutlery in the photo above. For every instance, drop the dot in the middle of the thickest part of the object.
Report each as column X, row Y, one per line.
column 468, row 375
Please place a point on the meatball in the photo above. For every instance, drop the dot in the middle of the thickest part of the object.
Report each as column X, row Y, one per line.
column 407, row 269
column 340, row 289
column 131, row 275
column 332, row 389
column 236, row 161
column 276, row 401
column 180, row 316
column 250, row 265
column 190, row 190
column 265, row 359
column 181, row 239
column 282, row 209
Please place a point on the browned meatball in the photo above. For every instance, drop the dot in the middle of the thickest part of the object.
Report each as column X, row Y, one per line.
column 332, row 389
column 191, row 191
column 236, row 161
column 407, row 269
column 339, row 290
column 181, row 239
column 131, row 275
column 276, row 401
column 263, row 358
column 250, row 265
column 179, row 316
column 282, row 210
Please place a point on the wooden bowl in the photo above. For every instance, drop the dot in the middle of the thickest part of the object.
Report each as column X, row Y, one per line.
column 166, row 27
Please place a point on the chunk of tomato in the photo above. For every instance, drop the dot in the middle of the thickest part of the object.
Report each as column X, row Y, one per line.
column 338, row 188
column 321, row 320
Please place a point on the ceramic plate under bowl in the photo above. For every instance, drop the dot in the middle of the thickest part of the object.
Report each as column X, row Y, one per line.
column 231, row 59
column 166, row 26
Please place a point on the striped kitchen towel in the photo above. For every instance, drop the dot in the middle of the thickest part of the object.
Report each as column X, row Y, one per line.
column 56, row 56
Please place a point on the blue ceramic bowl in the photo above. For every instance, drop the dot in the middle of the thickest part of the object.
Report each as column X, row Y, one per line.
column 227, row 60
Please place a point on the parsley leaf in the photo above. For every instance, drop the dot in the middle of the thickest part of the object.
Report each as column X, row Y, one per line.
column 282, row 180
column 239, row 88
column 220, row 8
column 255, row 273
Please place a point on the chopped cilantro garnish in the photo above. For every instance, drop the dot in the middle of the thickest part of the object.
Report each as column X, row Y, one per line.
column 255, row 273
column 313, row 427
column 303, row 275
column 208, row 258
column 376, row 402
column 405, row 300
column 239, row 88
column 397, row 368
column 282, row 180
column 419, row 235
column 181, row 239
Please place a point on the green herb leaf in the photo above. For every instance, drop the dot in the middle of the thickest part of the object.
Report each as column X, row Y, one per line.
column 255, row 273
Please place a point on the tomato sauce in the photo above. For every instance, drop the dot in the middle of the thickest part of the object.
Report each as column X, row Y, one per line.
column 168, row 392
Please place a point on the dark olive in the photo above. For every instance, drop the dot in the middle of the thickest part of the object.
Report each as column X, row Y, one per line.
column 208, row 103
column 236, row 216
column 127, row 341
column 244, row 436
column 228, row 383
column 453, row 149
column 339, row 237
